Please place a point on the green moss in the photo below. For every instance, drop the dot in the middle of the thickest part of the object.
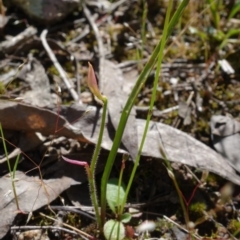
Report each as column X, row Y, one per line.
column 196, row 210
column 68, row 66
column 2, row 88
column 52, row 70
column 214, row 105
column 202, row 125
column 234, row 227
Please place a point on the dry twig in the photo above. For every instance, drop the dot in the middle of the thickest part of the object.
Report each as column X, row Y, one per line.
column 57, row 65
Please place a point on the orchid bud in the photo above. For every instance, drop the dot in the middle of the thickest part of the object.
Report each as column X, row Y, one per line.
column 92, row 83
column 80, row 163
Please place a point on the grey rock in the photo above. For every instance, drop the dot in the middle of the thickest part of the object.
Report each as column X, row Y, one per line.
column 226, row 138
column 45, row 11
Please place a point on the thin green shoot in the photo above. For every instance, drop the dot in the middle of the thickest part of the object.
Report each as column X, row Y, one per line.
column 215, row 7
column 153, row 97
column 235, row 10
column 140, row 50
column 143, row 27
column 128, row 106
column 93, row 190
column 11, row 172
column 172, row 176
column 119, row 204
column 228, row 35
column 13, row 182
column 15, row 165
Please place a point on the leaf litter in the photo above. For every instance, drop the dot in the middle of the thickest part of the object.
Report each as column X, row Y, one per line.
column 35, row 115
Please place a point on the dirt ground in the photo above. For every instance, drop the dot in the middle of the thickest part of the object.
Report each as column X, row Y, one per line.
column 47, row 111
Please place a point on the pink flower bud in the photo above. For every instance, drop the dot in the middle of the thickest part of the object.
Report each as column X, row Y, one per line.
column 80, row 163
column 92, row 82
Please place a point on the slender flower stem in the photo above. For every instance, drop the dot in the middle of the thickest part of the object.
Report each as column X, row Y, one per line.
column 98, row 145
column 119, row 204
column 93, row 190
column 92, row 84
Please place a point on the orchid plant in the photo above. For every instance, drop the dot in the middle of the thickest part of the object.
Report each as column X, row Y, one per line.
column 114, row 229
column 93, row 86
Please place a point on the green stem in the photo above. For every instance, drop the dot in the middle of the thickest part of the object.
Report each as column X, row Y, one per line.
column 98, row 145
column 153, row 97
column 172, row 176
column 13, row 182
column 119, row 204
column 12, row 174
column 93, row 194
column 91, row 171
column 180, row 196
column 128, row 106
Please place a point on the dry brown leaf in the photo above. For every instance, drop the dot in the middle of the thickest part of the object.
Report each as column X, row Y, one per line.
column 32, row 194
column 179, row 146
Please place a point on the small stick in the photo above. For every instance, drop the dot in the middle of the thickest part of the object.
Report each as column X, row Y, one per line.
column 44, row 227
column 9, row 46
column 57, row 65
column 96, row 32
column 82, row 233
